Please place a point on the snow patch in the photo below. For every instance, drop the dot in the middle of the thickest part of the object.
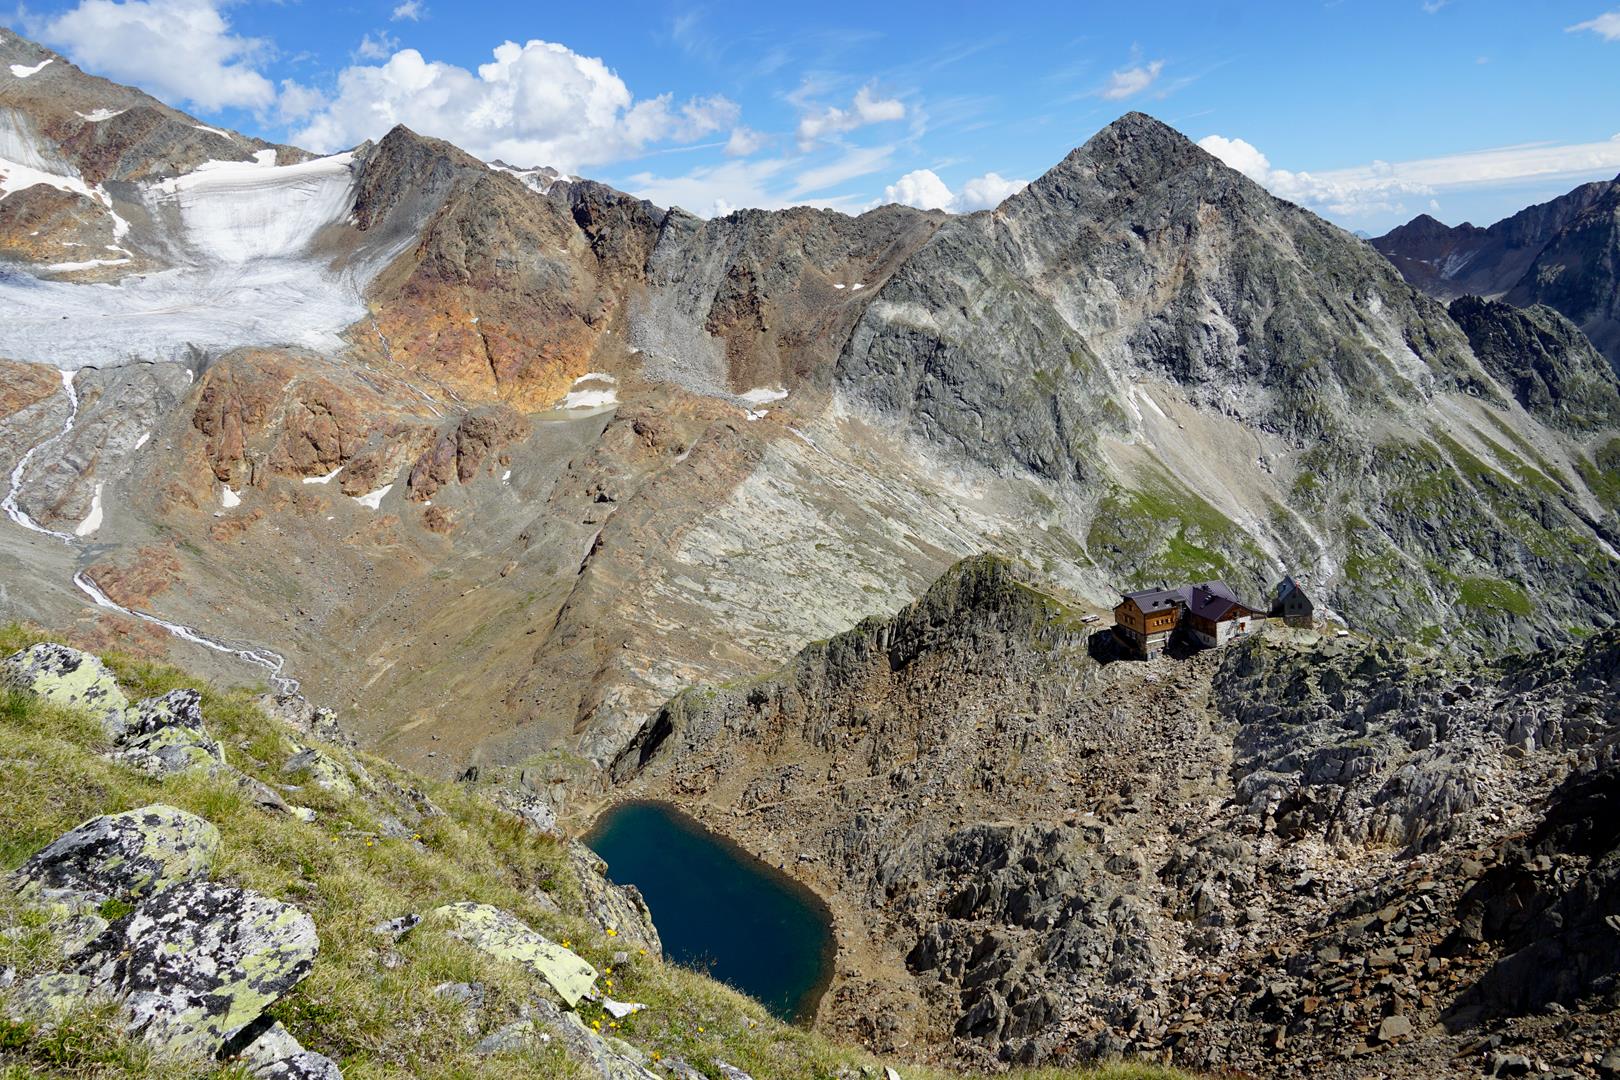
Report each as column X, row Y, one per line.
column 143, row 440
column 92, row 520
column 87, row 264
column 506, row 477
column 758, row 414
column 228, row 498
column 858, row 285
column 763, row 395
column 238, row 211
column 97, row 116
column 595, row 376
column 590, row 399
column 22, row 71
column 839, row 285
column 212, row 130
column 372, row 500
column 327, row 479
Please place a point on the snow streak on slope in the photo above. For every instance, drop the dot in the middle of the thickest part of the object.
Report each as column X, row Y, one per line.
column 271, row 661
column 9, row 503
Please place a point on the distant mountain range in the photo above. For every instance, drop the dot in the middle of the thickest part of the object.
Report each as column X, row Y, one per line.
column 1564, row 253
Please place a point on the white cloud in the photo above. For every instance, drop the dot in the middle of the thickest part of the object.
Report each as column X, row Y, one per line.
column 1129, row 81
column 538, row 103
column 714, row 190
column 743, row 141
column 1605, row 26
column 1378, row 186
column 179, row 50
column 858, row 162
column 297, row 101
column 867, row 108
column 1336, row 193
column 924, row 189
column 380, row 47
column 410, row 9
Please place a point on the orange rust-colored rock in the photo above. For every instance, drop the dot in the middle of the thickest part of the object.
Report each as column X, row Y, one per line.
column 24, row 385
column 148, row 573
column 458, row 454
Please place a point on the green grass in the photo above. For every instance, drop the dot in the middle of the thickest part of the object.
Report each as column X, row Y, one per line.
column 1493, row 594
column 381, row 1021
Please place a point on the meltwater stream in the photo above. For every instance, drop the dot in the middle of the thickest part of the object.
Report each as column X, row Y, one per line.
column 270, row 661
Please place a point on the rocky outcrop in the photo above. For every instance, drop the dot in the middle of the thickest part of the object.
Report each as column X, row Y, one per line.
column 620, row 911
column 195, row 964
column 1544, row 361
column 1262, row 859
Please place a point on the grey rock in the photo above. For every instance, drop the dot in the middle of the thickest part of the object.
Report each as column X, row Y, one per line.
column 275, row 1055
column 165, row 736
column 124, row 856
column 66, row 676
column 195, row 964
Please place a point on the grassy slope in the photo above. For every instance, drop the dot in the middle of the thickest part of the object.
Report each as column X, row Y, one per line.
column 376, row 1020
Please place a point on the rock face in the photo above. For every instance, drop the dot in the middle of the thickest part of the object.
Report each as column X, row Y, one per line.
column 617, row 908
column 1261, row 859
column 1547, row 364
column 124, row 856
column 165, row 735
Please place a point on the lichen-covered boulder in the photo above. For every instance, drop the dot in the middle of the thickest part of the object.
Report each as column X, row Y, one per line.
column 318, row 769
column 275, row 1055
column 124, row 856
column 45, row 999
column 194, row 965
column 506, row 937
column 165, row 735
column 69, row 677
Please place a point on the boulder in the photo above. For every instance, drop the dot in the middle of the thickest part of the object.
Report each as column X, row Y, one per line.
column 68, row 677
column 318, row 769
column 502, row 935
column 124, row 856
column 165, row 735
column 45, row 999
column 195, row 964
column 275, row 1055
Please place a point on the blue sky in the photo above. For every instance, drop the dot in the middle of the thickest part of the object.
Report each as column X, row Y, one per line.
column 1368, row 111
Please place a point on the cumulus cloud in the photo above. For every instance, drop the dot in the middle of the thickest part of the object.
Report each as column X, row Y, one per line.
column 178, row 50
column 1130, row 81
column 924, row 189
column 410, row 9
column 296, row 101
column 867, row 108
column 1380, row 189
column 538, row 103
column 1379, row 185
column 1605, row 26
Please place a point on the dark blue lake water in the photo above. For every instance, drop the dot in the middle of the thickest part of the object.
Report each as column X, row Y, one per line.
column 719, row 909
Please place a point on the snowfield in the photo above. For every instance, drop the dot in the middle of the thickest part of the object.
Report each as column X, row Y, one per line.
column 242, row 236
